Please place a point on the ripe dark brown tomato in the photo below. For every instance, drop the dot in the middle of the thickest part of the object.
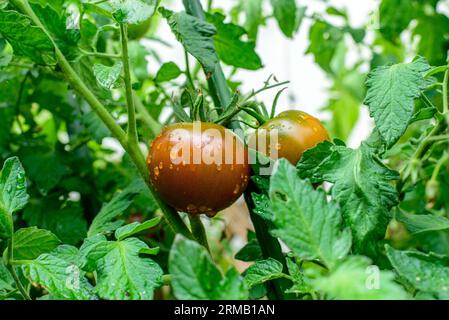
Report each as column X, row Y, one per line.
column 297, row 132
column 198, row 168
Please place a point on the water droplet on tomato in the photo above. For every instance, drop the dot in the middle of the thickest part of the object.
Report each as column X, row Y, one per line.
column 161, row 165
column 236, row 189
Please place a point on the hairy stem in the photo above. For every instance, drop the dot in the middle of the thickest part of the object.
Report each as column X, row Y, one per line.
column 198, row 230
column 11, row 268
column 445, row 94
column 132, row 129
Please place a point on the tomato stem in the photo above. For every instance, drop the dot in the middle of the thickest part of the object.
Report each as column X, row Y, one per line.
column 132, row 129
column 198, row 230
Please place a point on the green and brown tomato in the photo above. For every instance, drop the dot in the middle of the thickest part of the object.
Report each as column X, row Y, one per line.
column 295, row 131
column 198, row 168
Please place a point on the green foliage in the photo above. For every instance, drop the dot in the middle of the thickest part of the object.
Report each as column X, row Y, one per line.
column 30, row 243
column 355, row 279
column 167, row 72
column 189, row 262
column 107, row 76
column 262, row 271
column 391, row 91
column 79, row 219
column 13, row 194
column 427, row 273
column 195, row 35
column 362, row 186
column 229, row 46
column 304, row 220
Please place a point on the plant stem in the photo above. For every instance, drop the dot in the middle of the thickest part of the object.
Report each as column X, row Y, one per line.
column 101, row 54
column 166, row 279
column 270, row 249
column 19, row 100
column 146, row 117
column 11, row 268
column 445, row 95
column 188, row 73
column 438, row 166
column 255, row 93
column 172, row 217
column 198, row 230
column 132, row 129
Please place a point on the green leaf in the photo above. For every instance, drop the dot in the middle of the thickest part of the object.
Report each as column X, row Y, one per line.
column 106, row 76
column 67, row 223
column 26, row 40
column 253, row 16
column 229, row 46
column 324, row 41
column 6, row 280
column 30, row 243
column 304, row 220
column 122, row 273
column 262, row 271
column 13, row 194
column 391, row 94
column 136, row 227
column 167, row 72
column 431, row 30
column 46, row 169
column 195, row 35
column 61, row 278
column 262, row 206
column 103, row 223
column 417, row 223
column 428, row 273
column 287, row 15
column 195, row 276
column 56, row 24
column 69, row 253
column 95, row 127
column 362, row 187
column 391, row 23
column 134, row 11
column 356, row 279
column 250, row 252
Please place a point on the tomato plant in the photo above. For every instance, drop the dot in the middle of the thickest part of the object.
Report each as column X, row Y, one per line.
column 127, row 176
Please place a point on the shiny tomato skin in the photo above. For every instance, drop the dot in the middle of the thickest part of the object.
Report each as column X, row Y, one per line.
column 205, row 187
column 297, row 132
